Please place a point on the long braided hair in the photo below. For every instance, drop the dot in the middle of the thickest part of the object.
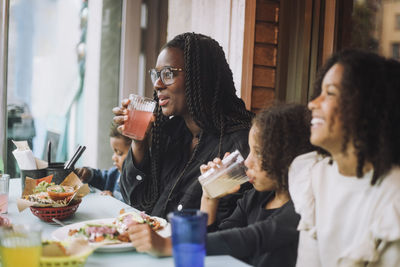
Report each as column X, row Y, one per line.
column 211, row 100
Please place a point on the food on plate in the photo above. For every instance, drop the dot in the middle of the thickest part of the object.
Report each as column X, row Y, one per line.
column 100, row 232
column 125, row 219
column 42, row 187
column 60, row 192
column 115, row 232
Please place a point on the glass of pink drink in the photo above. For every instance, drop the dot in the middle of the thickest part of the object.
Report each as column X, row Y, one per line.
column 140, row 111
column 4, row 186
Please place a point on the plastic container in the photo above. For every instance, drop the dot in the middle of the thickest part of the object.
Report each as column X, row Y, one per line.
column 57, row 169
column 224, row 177
column 34, row 174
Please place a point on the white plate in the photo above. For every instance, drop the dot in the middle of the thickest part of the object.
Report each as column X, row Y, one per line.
column 62, row 234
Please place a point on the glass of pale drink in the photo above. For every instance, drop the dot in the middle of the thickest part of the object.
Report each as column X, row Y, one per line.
column 224, row 177
column 20, row 245
column 140, row 111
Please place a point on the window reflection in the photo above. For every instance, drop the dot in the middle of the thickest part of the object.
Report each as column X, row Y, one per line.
column 376, row 26
column 43, row 72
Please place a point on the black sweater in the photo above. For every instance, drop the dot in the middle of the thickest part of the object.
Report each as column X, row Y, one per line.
column 187, row 192
column 258, row 236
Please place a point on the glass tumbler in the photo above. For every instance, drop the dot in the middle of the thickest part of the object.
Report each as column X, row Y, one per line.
column 4, row 188
column 140, row 111
column 20, row 245
column 189, row 230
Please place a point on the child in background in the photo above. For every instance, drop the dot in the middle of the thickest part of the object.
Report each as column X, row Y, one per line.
column 108, row 180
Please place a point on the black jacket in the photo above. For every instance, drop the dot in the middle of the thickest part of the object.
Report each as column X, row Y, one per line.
column 185, row 193
column 258, row 236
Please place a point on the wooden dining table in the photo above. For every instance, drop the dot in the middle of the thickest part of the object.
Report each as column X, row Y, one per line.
column 96, row 206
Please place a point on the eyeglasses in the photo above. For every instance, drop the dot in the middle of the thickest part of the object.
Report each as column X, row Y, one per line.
column 166, row 74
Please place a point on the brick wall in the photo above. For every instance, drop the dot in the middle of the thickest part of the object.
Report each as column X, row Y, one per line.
column 265, row 54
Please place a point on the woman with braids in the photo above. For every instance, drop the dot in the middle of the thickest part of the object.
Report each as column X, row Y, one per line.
column 262, row 228
column 347, row 194
column 198, row 117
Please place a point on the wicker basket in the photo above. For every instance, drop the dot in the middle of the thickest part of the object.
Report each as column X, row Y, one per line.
column 48, row 213
column 72, row 261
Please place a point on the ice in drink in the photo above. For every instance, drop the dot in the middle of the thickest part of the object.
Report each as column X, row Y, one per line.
column 137, row 123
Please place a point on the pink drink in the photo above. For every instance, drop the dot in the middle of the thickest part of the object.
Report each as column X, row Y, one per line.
column 137, row 123
column 3, row 203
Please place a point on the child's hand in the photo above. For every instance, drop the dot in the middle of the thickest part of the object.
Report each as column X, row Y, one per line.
column 212, row 164
column 210, row 205
column 216, row 163
column 83, row 173
column 144, row 239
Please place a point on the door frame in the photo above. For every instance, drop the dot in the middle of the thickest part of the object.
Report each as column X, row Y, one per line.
column 4, row 19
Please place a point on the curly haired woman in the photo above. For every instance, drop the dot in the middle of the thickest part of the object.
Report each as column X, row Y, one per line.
column 348, row 193
column 198, row 117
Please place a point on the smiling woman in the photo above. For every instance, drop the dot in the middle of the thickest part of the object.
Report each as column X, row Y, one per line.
column 198, row 117
column 348, row 194
column 326, row 130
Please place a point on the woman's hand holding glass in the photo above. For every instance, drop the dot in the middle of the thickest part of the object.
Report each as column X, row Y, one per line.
column 139, row 148
column 121, row 116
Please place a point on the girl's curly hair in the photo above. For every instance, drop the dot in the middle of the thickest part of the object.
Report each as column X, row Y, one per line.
column 368, row 108
column 283, row 133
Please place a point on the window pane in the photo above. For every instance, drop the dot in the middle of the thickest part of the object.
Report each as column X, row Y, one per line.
column 43, row 72
column 375, row 26
column 396, row 51
column 397, row 22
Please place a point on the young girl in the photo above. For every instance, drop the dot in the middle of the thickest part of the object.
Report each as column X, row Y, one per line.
column 348, row 194
column 262, row 228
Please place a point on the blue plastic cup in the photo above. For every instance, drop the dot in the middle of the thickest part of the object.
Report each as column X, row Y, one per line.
column 189, row 230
